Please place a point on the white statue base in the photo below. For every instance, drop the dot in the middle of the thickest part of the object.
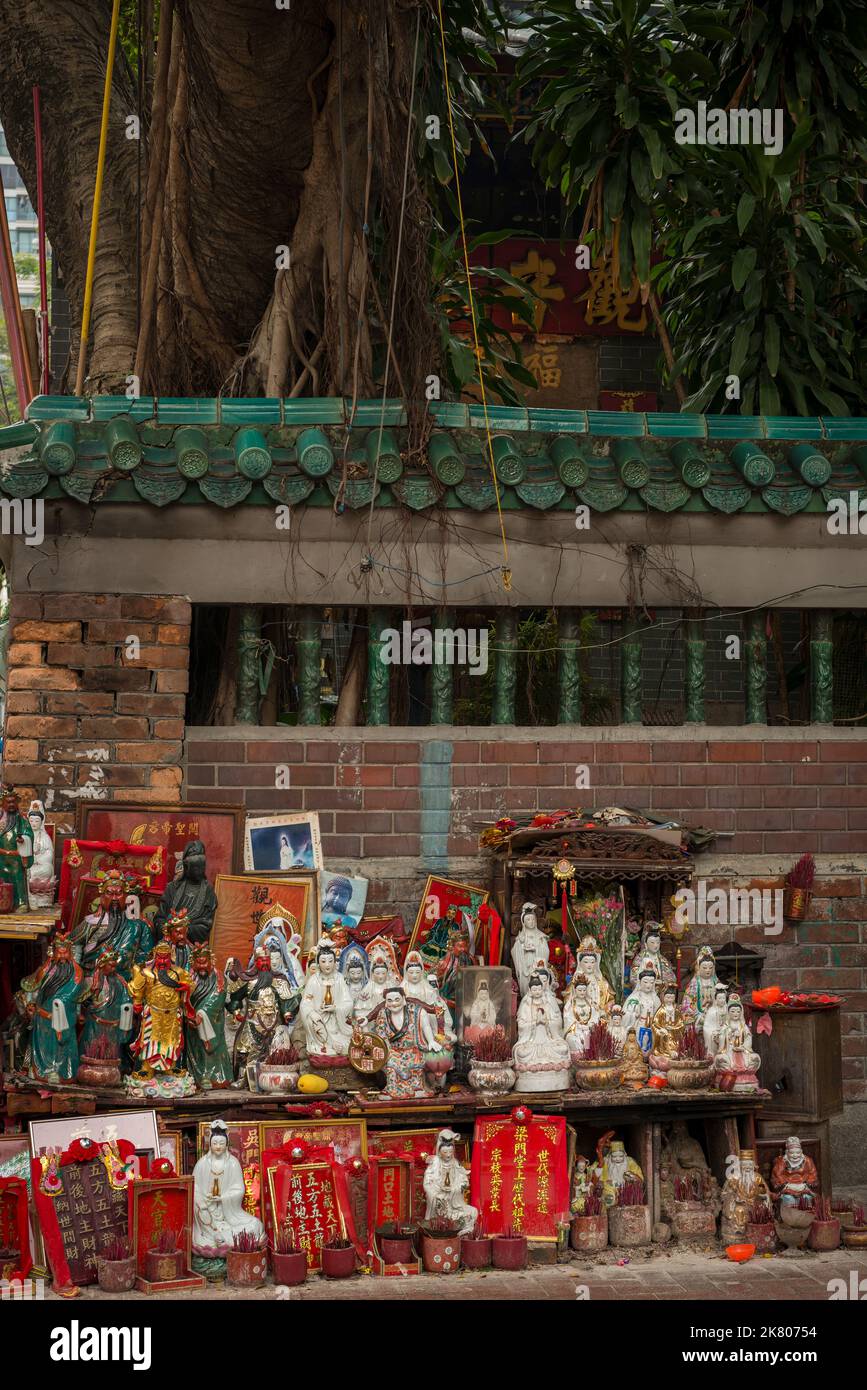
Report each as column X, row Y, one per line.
column 542, row 1080
column 168, row 1086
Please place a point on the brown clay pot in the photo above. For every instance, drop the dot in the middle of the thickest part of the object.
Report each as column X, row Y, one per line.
column 693, row 1221
column 160, row 1268
column 476, row 1252
column 687, row 1074
column 590, row 1233
column 763, row 1237
column 796, row 903
column 115, row 1276
column 395, row 1250
column 846, row 1218
column 824, row 1235
column 440, row 1254
column 338, row 1264
column 509, row 1252
column 597, row 1076
column 246, row 1269
column 629, row 1225
column 98, row 1071
column 855, row 1238
column 289, row 1268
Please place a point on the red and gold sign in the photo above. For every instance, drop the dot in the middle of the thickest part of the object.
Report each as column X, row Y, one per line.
column 304, row 1205
column 84, row 858
column 157, row 1205
column 414, row 1146
column 519, row 1174
column 390, row 1191
column 15, row 1258
column 572, row 302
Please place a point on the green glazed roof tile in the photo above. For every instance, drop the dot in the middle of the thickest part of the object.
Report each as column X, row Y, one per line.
column 183, row 410
column 499, row 417
column 137, row 408
column 674, row 426
column 250, row 410
column 298, row 410
column 371, row 413
column 621, row 424
column 735, row 427
column 783, row 427
column 58, row 408
column 844, row 428
column 554, row 420
column 452, row 415
column 18, row 436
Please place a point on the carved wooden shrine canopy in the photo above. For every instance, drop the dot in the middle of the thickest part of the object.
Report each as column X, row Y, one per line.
column 615, row 853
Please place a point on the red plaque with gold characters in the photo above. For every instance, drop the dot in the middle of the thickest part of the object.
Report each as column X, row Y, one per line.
column 157, row 1205
column 519, row 1175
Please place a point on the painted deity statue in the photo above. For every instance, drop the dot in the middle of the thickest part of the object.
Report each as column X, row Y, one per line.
column 107, row 1008
column 436, row 943
column 617, row 1024
column 445, row 1186
column 582, row 1181
column 207, row 1053
column 736, row 1063
column 793, row 1175
column 116, row 925
column 409, row 1027
column 612, row 1168
column 16, row 848
column 640, row 1008
column 634, row 1068
column 744, row 1186
column 579, row 1012
column 281, row 937
column 326, row 1006
column 541, row 1055
column 192, row 892
column 713, row 1025
column 264, row 1002
column 667, row 1027
column 218, row 1198
column 599, row 992
column 698, row 996
column 53, row 1041
column 161, row 995
column 457, row 957
column 177, row 931
column 530, row 948
column 648, row 956
column 369, row 997
column 425, row 988
column 41, row 878
column 354, row 966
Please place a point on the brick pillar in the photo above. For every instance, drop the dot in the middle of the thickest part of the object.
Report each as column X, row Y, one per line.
column 96, row 696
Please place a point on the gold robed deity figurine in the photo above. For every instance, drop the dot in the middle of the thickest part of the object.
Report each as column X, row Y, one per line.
column 161, row 996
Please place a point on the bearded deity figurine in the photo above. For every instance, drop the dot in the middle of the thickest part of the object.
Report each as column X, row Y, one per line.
column 41, row 878
column 667, row 1028
column 53, row 1040
column 161, row 995
column 176, row 930
column 326, row 1007
column 530, row 948
column 541, row 1055
column 793, row 1175
column 265, row 1003
column 445, row 1186
column 111, row 927
column 370, row 995
column 436, row 943
column 207, row 1054
column 648, row 956
column 599, row 991
column 741, row 1190
column 640, row 1007
column 16, row 848
column 736, row 1064
column 457, row 957
column 409, row 1028
column 106, row 1009
column 612, row 1168
column 713, row 1025
column 191, row 892
column 698, row 997
column 218, row 1204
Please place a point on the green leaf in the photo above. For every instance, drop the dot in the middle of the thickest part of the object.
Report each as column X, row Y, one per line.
column 696, row 230
column 641, row 234
column 814, row 234
column 746, row 208
column 442, row 164
column 653, row 145
column 742, row 265
column 772, row 344
column 740, row 344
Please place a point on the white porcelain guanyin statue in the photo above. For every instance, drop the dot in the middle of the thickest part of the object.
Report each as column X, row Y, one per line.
column 713, row 1025
column 579, row 1011
column 218, row 1198
column 445, row 1183
column 326, row 1006
column 530, row 948
column 41, row 879
column 640, row 1006
column 736, row 1064
column 541, row 1055
column 369, row 997
column 698, row 996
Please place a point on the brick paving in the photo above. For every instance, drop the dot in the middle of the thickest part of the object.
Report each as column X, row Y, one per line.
column 676, row 1277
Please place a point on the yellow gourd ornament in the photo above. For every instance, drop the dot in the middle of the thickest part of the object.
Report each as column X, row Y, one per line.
column 311, row 1085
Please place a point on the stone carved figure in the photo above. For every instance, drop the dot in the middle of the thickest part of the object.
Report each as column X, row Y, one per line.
column 682, row 1157
column 445, row 1186
column 191, row 892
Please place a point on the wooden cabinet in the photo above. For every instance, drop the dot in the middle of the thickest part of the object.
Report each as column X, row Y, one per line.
column 801, row 1065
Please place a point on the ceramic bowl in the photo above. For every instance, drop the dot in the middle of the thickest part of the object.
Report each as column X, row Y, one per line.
column 739, row 1254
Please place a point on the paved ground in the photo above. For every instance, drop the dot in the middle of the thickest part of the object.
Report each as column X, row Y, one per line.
column 677, row 1276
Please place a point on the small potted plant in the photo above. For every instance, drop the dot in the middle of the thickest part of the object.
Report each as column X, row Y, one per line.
column 693, row 1216
column 279, row 1073
column 165, row 1260
column 825, row 1230
column 476, row 1249
column 760, row 1228
column 338, row 1258
column 491, row 1070
column 798, row 888
column 99, row 1064
column 395, row 1243
column 590, row 1226
column 629, row 1217
column 247, row 1260
column 115, row 1266
column 288, row 1263
column 690, row 1069
column 509, row 1250
column 597, row 1066
column 855, row 1236
column 440, row 1246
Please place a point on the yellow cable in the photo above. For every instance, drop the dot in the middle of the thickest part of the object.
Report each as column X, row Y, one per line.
column 507, row 573
column 97, row 196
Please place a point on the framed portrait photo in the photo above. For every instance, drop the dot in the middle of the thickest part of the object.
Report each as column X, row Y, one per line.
column 484, row 1002
column 173, row 825
column 439, row 895
column 283, row 843
column 342, row 899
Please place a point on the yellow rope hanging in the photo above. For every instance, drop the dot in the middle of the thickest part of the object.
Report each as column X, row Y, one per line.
column 506, row 571
column 97, row 197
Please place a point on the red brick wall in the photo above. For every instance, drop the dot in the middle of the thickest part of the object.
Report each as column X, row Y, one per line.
column 84, row 718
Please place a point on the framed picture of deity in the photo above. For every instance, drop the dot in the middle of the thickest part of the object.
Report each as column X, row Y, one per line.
column 283, row 843
column 343, row 899
column 245, row 1144
column 246, row 903
column 433, row 914
column 311, row 929
column 85, row 858
column 173, row 825
column 485, row 1002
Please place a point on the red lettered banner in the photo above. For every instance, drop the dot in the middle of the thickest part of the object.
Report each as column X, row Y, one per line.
column 572, row 302
column 157, row 1205
column 519, row 1178
column 390, row 1191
